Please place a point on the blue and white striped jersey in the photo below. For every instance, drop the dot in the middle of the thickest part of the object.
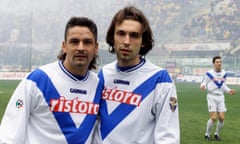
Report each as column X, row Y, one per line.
column 139, row 105
column 52, row 106
column 215, row 82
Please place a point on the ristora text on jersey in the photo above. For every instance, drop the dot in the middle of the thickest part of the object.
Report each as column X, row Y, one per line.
column 74, row 106
column 122, row 96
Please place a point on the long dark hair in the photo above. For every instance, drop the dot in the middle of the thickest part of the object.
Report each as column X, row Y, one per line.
column 132, row 13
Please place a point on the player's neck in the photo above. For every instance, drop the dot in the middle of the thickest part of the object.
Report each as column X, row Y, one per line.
column 217, row 70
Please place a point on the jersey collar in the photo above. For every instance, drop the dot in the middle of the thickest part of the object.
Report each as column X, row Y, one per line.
column 131, row 68
column 72, row 76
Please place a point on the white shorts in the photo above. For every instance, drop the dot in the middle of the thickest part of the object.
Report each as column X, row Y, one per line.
column 216, row 103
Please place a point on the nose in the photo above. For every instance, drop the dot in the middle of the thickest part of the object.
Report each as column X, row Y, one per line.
column 80, row 45
column 127, row 39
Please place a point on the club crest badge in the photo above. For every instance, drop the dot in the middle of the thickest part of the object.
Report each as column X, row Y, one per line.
column 19, row 104
column 173, row 103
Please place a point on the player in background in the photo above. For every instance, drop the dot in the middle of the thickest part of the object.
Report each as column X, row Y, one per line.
column 139, row 101
column 215, row 84
column 58, row 102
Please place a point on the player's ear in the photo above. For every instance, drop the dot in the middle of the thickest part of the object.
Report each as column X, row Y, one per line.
column 96, row 49
column 63, row 46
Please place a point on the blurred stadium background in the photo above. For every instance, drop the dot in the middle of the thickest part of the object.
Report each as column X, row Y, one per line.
column 188, row 33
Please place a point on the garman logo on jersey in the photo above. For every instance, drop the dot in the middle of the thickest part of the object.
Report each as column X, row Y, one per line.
column 79, row 91
column 123, row 82
column 73, row 106
column 122, row 96
column 173, row 103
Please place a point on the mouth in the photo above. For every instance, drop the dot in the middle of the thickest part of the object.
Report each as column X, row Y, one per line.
column 125, row 51
column 80, row 56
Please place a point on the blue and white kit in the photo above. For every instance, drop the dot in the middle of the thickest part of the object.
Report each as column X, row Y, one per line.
column 139, row 105
column 52, row 106
column 215, row 83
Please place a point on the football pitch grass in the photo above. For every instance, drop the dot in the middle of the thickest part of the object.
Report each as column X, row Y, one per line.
column 193, row 112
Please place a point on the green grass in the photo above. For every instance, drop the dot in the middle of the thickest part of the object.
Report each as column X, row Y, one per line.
column 193, row 112
column 6, row 89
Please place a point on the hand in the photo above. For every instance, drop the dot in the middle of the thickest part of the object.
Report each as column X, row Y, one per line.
column 232, row 92
column 202, row 87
